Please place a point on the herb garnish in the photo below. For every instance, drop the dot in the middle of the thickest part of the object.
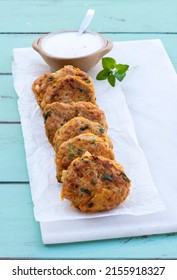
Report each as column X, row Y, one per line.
column 107, row 177
column 46, row 115
column 87, row 191
column 102, row 130
column 86, row 126
column 112, row 71
column 124, row 176
column 79, row 152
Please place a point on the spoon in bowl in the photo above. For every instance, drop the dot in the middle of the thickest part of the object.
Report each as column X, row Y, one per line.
column 86, row 21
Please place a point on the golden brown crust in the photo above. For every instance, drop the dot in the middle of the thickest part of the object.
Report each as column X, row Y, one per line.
column 77, row 146
column 94, row 183
column 70, row 70
column 68, row 89
column 91, row 112
column 77, row 126
column 43, row 84
column 57, row 114
column 40, row 85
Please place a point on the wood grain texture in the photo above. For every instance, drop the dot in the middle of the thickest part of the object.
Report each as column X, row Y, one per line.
column 114, row 15
column 20, row 236
column 8, row 100
column 20, row 23
column 12, row 159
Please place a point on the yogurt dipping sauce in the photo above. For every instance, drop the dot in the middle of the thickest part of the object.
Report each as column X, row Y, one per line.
column 71, row 44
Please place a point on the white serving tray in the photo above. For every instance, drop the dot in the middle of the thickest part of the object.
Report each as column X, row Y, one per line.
column 151, row 94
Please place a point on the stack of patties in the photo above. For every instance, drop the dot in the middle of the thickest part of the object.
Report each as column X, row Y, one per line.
column 76, row 127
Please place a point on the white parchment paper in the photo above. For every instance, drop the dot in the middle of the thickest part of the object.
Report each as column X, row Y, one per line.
column 40, row 156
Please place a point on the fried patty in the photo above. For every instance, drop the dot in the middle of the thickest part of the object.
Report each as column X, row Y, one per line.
column 40, row 85
column 77, row 146
column 73, row 71
column 77, row 126
column 91, row 112
column 44, row 83
column 68, row 89
column 95, row 183
column 57, row 114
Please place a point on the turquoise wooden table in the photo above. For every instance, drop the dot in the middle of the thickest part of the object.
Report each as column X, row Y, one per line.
column 20, row 23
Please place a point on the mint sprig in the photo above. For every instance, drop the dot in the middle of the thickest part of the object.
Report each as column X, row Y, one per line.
column 112, row 71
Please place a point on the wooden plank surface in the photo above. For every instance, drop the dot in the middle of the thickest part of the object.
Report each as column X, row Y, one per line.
column 20, row 23
column 12, row 160
column 115, row 15
column 20, row 235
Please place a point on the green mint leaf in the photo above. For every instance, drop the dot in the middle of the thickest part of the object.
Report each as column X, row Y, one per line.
column 119, row 77
column 112, row 71
column 108, row 63
column 121, row 68
column 112, row 80
column 103, row 74
column 87, row 191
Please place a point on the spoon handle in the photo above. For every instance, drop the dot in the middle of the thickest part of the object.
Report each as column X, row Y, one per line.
column 86, row 21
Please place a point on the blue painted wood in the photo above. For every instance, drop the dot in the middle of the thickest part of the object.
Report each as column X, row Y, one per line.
column 20, row 23
column 114, row 15
column 12, row 159
column 20, row 235
column 8, row 100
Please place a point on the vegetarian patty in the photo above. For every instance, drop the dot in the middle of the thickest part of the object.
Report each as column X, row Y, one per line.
column 73, row 71
column 95, row 183
column 77, row 146
column 47, row 81
column 68, row 89
column 77, row 126
column 91, row 112
column 57, row 114
column 40, row 85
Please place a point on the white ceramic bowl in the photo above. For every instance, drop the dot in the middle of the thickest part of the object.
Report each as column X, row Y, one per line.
column 84, row 62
